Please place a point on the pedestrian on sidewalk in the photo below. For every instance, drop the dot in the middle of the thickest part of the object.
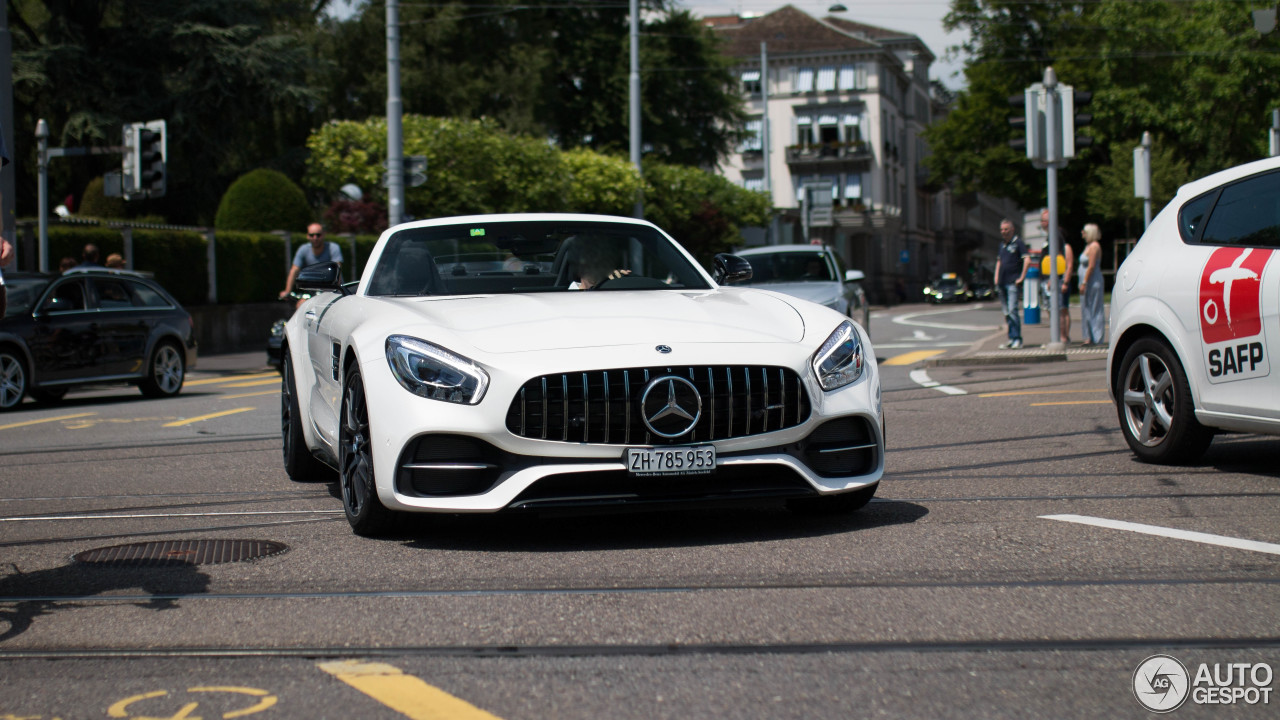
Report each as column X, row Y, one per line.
column 1092, row 321
column 1011, row 271
column 1066, row 261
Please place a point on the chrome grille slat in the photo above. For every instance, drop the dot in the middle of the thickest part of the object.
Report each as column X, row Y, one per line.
column 730, row 404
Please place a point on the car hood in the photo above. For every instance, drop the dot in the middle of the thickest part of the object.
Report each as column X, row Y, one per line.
column 822, row 293
column 547, row 321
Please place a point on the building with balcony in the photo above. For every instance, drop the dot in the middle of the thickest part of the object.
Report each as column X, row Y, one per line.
column 837, row 105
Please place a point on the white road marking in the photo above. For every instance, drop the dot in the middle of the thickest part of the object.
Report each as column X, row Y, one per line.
column 1199, row 537
column 910, row 319
column 921, row 378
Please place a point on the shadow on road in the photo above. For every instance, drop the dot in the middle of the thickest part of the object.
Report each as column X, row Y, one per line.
column 705, row 526
column 27, row 596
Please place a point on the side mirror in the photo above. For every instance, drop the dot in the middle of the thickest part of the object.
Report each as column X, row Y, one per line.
column 729, row 269
column 318, row 278
column 853, row 275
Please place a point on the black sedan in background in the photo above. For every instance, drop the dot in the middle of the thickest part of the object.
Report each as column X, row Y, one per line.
column 90, row 326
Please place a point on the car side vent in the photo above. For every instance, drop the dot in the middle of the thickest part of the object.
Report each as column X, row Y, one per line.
column 603, row 406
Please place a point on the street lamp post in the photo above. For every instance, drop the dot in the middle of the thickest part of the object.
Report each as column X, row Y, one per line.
column 635, row 100
column 42, row 189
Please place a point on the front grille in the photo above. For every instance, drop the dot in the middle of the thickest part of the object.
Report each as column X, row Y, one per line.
column 603, row 406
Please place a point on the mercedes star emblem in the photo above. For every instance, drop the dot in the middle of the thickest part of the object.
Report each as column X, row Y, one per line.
column 664, row 349
column 670, row 406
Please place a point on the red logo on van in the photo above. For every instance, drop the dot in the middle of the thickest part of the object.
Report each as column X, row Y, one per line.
column 1231, row 294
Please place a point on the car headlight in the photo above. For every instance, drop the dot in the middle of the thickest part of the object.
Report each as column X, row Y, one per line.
column 839, row 361
column 430, row 371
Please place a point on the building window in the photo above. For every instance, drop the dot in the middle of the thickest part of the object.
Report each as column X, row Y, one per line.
column 754, row 142
column 751, row 82
column 753, row 184
column 853, row 77
column 826, row 79
column 804, row 80
column 853, row 188
column 804, row 131
column 852, row 128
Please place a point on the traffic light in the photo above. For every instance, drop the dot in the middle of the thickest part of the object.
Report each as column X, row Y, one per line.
column 1072, row 100
column 143, row 168
column 1031, row 122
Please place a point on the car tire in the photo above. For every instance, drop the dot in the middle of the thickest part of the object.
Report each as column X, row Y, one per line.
column 299, row 463
column 833, row 504
column 166, row 371
column 366, row 513
column 48, row 396
column 1157, row 413
column 13, row 379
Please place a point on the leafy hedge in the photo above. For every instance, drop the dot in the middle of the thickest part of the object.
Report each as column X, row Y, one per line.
column 251, row 266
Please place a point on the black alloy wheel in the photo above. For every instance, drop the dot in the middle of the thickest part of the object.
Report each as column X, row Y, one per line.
column 299, row 463
column 1157, row 414
column 365, row 511
column 13, row 379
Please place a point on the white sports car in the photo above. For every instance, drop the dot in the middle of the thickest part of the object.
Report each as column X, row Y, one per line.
column 507, row 362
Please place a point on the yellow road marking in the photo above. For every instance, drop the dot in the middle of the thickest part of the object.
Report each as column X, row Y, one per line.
column 256, row 383
column 1074, row 402
column 210, row 416
column 405, row 694
column 267, row 701
column 912, row 357
column 234, row 378
column 1039, row 392
column 252, row 394
column 46, row 420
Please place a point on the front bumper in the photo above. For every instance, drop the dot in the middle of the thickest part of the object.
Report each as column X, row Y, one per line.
column 432, row 456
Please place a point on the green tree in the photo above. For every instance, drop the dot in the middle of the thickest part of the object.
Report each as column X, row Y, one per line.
column 559, row 70
column 1195, row 74
column 228, row 76
column 476, row 167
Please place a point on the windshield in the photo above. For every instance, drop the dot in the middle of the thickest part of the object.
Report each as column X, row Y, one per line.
column 788, row 267
column 506, row 257
column 22, row 294
column 946, row 283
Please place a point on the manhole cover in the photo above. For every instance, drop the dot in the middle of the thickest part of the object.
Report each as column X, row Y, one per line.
column 181, row 552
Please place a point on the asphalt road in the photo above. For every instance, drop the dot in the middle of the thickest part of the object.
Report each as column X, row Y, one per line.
column 1017, row 562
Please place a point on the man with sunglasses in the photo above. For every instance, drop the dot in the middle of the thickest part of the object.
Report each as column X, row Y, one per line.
column 315, row 251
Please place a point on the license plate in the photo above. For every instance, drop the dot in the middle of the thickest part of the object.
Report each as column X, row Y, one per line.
column 686, row 460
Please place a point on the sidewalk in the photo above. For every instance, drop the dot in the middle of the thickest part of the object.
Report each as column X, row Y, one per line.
column 1035, row 339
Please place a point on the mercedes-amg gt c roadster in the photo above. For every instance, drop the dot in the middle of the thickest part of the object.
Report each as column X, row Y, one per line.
column 525, row 362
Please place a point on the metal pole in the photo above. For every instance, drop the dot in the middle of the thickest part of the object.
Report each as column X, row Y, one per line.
column 395, row 132
column 764, row 135
column 1146, row 167
column 42, row 172
column 1275, row 133
column 635, row 100
column 8, row 181
column 1053, row 136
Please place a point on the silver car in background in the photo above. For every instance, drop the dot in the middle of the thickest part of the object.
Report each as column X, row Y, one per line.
column 810, row 272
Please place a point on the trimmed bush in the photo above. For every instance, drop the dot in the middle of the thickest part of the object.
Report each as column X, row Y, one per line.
column 94, row 204
column 261, row 201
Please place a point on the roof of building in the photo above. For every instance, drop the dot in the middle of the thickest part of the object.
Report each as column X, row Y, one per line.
column 790, row 30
